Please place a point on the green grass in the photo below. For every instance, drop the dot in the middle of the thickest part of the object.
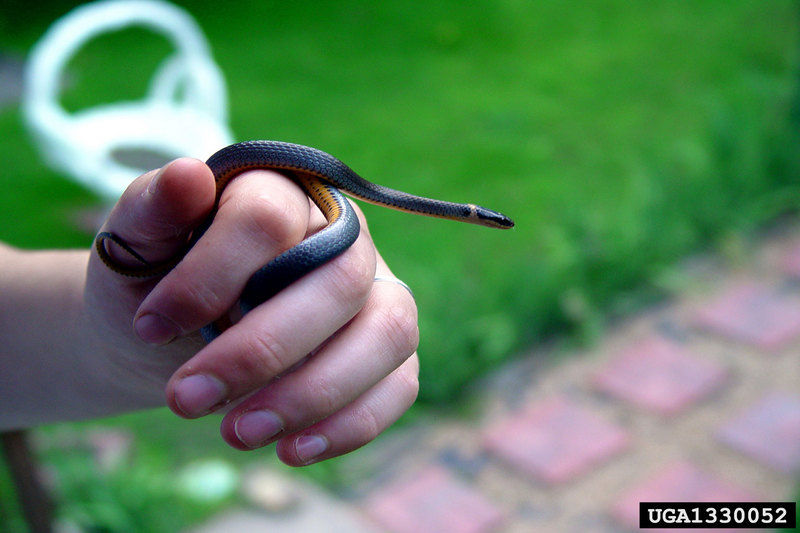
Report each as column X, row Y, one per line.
column 620, row 136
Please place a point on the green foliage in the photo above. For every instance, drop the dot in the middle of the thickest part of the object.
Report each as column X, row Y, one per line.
column 10, row 511
column 133, row 484
column 619, row 136
column 130, row 497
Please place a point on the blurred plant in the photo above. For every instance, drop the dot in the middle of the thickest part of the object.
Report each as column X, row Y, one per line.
column 99, row 486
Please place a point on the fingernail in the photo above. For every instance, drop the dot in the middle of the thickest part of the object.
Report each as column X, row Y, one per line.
column 155, row 329
column 309, row 447
column 197, row 395
column 255, row 428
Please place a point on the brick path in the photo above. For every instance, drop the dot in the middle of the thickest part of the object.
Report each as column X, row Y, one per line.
column 696, row 400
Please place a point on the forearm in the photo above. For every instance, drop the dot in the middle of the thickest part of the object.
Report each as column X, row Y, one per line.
column 52, row 366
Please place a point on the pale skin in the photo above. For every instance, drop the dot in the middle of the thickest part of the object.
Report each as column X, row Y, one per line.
column 322, row 368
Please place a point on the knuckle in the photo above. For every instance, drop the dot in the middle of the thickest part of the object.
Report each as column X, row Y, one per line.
column 281, row 222
column 409, row 376
column 399, row 326
column 351, row 276
column 369, row 423
column 193, row 303
column 327, row 399
column 372, row 418
column 266, row 215
column 205, row 299
column 264, row 355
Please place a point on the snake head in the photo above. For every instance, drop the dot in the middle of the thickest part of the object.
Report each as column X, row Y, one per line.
column 487, row 217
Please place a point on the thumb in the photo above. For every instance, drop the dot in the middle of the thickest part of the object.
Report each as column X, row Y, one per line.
column 158, row 211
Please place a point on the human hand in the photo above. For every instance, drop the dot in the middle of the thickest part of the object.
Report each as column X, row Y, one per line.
column 323, row 367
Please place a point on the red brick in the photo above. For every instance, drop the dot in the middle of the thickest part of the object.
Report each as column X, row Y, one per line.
column 679, row 482
column 753, row 313
column 768, row 432
column 659, row 375
column 555, row 440
column 433, row 502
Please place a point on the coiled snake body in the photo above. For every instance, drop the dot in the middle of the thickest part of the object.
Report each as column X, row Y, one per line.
column 321, row 176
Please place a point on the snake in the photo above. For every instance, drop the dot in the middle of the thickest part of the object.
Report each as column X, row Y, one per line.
column 323, row 178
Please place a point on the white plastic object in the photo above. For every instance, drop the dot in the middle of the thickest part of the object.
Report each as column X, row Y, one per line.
column 183, row 114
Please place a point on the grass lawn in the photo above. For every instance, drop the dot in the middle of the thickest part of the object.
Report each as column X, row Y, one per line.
column 620, row 136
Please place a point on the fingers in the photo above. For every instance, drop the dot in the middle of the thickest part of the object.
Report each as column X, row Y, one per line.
column 357, row 423
column 344, row 395
column 274, row 336
column 261, row 214
column 360, row 377
column 362, row 371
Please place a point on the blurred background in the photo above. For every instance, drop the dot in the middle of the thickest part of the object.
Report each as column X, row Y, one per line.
column 621, row 136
